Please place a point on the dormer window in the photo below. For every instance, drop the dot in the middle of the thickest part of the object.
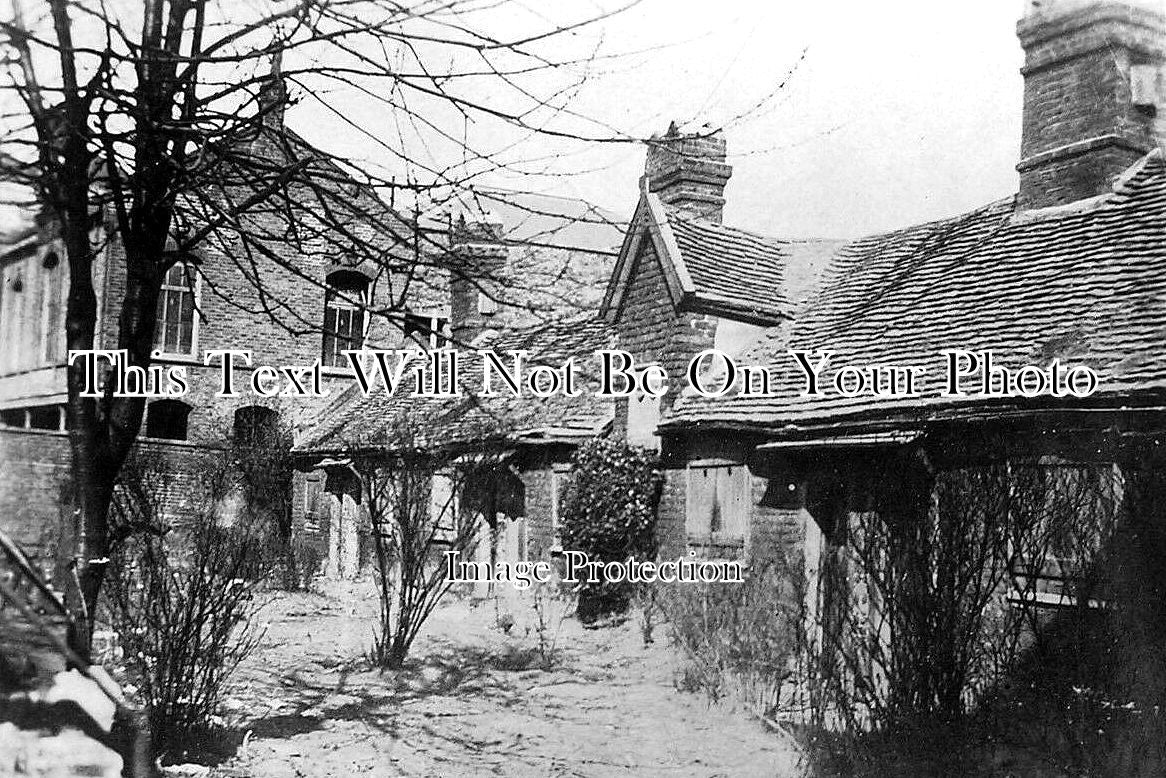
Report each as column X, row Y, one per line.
column 344, row 315
column 175, row 326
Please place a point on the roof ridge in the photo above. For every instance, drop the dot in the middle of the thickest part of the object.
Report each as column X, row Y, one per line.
column 689, row 220
column 933, row 224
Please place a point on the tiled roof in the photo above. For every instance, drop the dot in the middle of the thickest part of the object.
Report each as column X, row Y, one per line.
column 1085, row 283
column 357, row 421
column 731, row 268
column 533, row 219
column 712, row 268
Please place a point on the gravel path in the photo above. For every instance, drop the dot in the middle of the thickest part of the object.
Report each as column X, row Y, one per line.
column 475, row 703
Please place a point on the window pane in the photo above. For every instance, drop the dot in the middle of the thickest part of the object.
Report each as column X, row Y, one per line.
column 173, row 320
column 174, row 327
column 357, row 329
column 343, row 318
column 160, row 323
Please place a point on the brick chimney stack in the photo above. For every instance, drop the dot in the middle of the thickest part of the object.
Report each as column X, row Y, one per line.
column 481, row 255
column 273, row 95
column 1094, row 94
column 689, row 172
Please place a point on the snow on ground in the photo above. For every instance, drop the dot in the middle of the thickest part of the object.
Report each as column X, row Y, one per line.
column 473, row 701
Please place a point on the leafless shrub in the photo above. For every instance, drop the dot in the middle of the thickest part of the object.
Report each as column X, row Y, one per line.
column 736, row 636
column 412, row 494
column 182, row 597
column 552, row 601
column 645, row 600
column 935, row 584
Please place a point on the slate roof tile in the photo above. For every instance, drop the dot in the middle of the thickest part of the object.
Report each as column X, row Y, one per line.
column 1086, row 283
column 356, row 420
column 733, row 267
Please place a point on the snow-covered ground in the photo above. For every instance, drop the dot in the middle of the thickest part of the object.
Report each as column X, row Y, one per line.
column 474, row 701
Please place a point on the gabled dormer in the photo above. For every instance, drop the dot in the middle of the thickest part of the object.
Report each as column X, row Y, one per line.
column 683, row 281
column 704, row 266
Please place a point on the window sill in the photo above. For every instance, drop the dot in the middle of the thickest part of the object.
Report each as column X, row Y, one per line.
column 715, row 539
column 1051, row 600
column 185, row 442
column 184, row 359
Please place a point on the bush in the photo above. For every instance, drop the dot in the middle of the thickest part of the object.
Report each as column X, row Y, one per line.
column 738, row 637
column 609, row 513
column 182, row 605
column 180, row 592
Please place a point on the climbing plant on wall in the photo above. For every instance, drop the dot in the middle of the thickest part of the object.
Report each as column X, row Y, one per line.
column 609, row 513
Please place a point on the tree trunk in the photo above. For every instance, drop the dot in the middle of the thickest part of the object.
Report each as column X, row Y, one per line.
column 101, row 430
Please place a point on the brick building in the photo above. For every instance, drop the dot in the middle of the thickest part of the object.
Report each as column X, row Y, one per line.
column 306, row 300
column 547, row 259
column 1068, row 269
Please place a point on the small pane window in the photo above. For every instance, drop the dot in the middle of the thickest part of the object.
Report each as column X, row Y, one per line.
column 174, row 329
column 344, row 316
column 428, row 332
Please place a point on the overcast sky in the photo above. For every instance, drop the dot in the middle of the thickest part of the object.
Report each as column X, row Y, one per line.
column 901, row 111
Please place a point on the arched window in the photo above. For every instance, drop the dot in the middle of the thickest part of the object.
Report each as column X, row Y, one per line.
column 174, row 330
column 344, row 302
column 167, row 419
column 255, row 424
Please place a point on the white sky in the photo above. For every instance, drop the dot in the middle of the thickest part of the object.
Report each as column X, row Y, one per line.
column 902, row 111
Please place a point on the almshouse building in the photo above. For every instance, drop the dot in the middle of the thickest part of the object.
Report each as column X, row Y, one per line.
column 1065, row 270
column 302, row 299
column 1069, row 269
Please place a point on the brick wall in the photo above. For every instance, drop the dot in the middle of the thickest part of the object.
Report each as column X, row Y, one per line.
column 1080, row 126
column 35, row 484
column 670, row 535
column 652, row 330
column 776, row 514
column 34, row 487
column 777, row 526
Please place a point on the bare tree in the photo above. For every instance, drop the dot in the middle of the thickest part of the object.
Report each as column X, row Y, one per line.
column 152, row 130
column 935, row 582
column 417, row 497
